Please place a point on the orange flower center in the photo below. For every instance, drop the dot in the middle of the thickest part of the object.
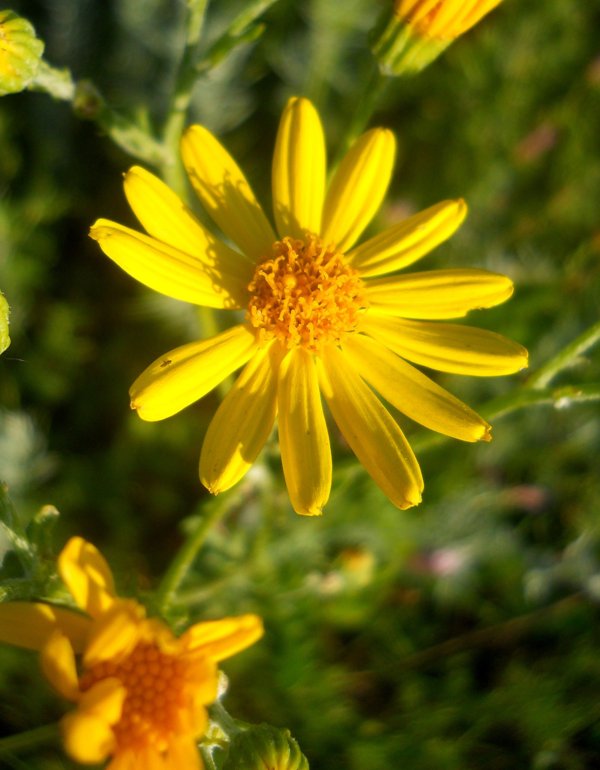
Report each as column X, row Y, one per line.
column 305, row 295
column 156, row 701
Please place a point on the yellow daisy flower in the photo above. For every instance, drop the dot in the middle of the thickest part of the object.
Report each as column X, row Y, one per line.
column 141, row 693
column 319, row 318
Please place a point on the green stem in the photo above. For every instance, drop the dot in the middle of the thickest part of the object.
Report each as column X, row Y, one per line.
column 565, row 358
column 185, row 80
column 28, row 739
column 226, row 722
column 56, row 82
column 131, row 138
column 242, row 31
column 88, row 104
column 374, row 84
column 559, row 398
column 183, row 561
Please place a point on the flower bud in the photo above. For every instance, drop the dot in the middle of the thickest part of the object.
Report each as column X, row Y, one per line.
column 420, row 30
column 20, row 53
column 4, row 313
column 264, row 746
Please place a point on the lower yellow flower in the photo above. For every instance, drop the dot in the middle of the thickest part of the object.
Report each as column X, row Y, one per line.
column 419, row 30
column 323, row 316
column 141, row 692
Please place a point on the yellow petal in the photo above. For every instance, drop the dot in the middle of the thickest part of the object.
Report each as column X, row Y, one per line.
column 444, row 20
column 183, row 753
column 168, row 270
column 165, row 217
column 358, row 187
column 31, row 624
column 299, row 169
column 437, row 294
column 371, row 432
column 448, row 347
column 477, row 10
column 115, row 633
column 242, row 423
column 225, row 192
column 86, row 574
column 203, row 681
column 104, row 699
column 412, row 393
column 220, row 639
column 303, row 437
column 189, row 372
column 87, row 738
column 58, row 665
column 405, row 243
column 125, row 759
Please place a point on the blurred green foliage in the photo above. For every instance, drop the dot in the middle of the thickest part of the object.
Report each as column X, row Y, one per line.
column 462, row 634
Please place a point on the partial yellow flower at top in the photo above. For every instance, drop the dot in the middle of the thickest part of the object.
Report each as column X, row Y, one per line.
column 141, row 692
column 420, row 30
column 443, row 19
column 20, row 53
column 322, row 316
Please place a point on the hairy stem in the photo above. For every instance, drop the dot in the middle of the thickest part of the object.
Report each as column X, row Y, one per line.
column 566, row 358
column 374, row 84
column 183, row 561
column 185, row 80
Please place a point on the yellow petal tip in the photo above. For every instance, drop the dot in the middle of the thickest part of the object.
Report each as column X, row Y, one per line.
column 406, row 504
column 462, row 209
column 312, row 511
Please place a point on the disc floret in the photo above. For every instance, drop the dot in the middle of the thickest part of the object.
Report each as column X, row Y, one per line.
column 305, row 295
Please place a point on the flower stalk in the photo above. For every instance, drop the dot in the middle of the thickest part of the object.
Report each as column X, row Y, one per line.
column 215, row 510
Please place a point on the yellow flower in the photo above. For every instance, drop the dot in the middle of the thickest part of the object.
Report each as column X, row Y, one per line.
column 420, row 30
column 141, row 692
column 319, row 317
column 20, row 53
column 443, row 19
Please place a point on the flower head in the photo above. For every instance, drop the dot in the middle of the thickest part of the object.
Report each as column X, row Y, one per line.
column 323, row 316
column 20, row 53
column 420, row 30
column 140, row 692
